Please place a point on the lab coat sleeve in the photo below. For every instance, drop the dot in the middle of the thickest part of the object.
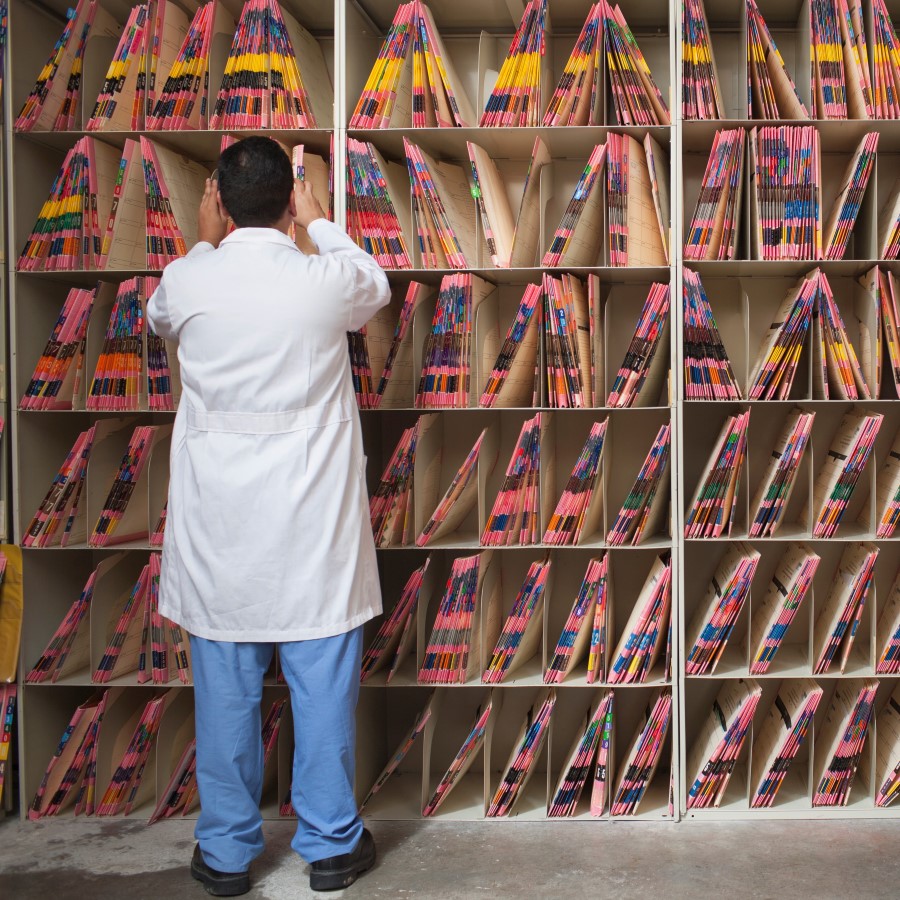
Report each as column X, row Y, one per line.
column 366, row 284
column 162, row 317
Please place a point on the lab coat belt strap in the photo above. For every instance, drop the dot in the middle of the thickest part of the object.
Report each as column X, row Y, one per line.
column 281, row 422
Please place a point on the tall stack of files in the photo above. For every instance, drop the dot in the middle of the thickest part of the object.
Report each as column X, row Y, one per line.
column 881, row 283
column 101, row 764
column 452, row 351
column 849, row 451
column 485, row 718
column 8, row 695
column 61, row 517
column 70, row 779
column 373, row 221
column 845, row 211
column 708, row 374
column 134, row 366
column 840, row 86
column 646, row 505
column 642, row 758
column 522, row 632
column 700, row 94
column 59, row 377
column 579, row 96
column 841, row 740
column 717, row 747
column 458, row 501
column 454, row 514
column 774, row 491
column 523, row 759
column 381, row 353
column 67, row 234
column 887, row 633
column 146, row 196
column 719, row 609
column 391, row 503
column 886, row 63
column 712, row 510
column 516, row 513
column 629, row 198
column 54, row 103
column 571, row 340
column 808, row 309
column 121, row 615
column 887, row 495
column 579, row 511
column 406, row 744
column 586, row 763
column 636, row 98
column 887, row 751
column 69, row 649
column 517, row 96
column 275, row 75
column 397, row 634
column 512, row 240
column 838, row 620
column 453, row 652
column 143, row 640
column 773, row 615
column 714, row 226
column 771, row 93
column 127, row 787
column 120, row 520
column 122, row 101
column 646, row 631
column 512, row 380
column 586, row 630
column 184, row 57
column 606, row 58
column 413, row 83
column 640, row 377
column 638, row 225
column 444, row 214
column 780, row 736
column 786, row 196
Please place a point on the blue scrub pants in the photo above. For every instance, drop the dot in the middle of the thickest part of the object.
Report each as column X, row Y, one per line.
column 323, row 677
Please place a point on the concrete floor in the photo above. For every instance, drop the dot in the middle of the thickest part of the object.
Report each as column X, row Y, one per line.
column 116, row 860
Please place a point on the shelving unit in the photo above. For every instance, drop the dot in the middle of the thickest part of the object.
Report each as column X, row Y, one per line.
column 743, row 294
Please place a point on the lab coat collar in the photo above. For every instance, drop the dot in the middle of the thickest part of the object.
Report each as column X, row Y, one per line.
column 259, row 236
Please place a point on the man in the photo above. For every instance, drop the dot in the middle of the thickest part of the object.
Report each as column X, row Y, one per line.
column 268, row 540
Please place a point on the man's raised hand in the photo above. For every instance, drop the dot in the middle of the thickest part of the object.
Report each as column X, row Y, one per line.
column 212, row 223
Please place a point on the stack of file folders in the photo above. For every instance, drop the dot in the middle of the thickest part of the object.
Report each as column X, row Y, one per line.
column 717, row 747
column 780, row 737
column 841, row 740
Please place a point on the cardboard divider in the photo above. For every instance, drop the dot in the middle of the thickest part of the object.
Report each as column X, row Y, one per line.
column 447, row 729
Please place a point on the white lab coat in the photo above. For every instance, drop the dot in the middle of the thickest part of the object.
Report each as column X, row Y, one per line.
column 267, row 530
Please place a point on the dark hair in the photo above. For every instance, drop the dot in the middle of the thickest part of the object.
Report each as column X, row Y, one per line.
column 255, row 181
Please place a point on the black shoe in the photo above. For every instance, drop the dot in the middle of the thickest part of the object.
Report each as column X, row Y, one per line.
column 219, row 884
column 338, row 872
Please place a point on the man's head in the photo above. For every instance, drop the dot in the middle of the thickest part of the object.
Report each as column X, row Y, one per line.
column 255, row 183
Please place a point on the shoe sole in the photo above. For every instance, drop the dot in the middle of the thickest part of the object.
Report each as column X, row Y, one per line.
column 343, row 878
column 222, row 887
